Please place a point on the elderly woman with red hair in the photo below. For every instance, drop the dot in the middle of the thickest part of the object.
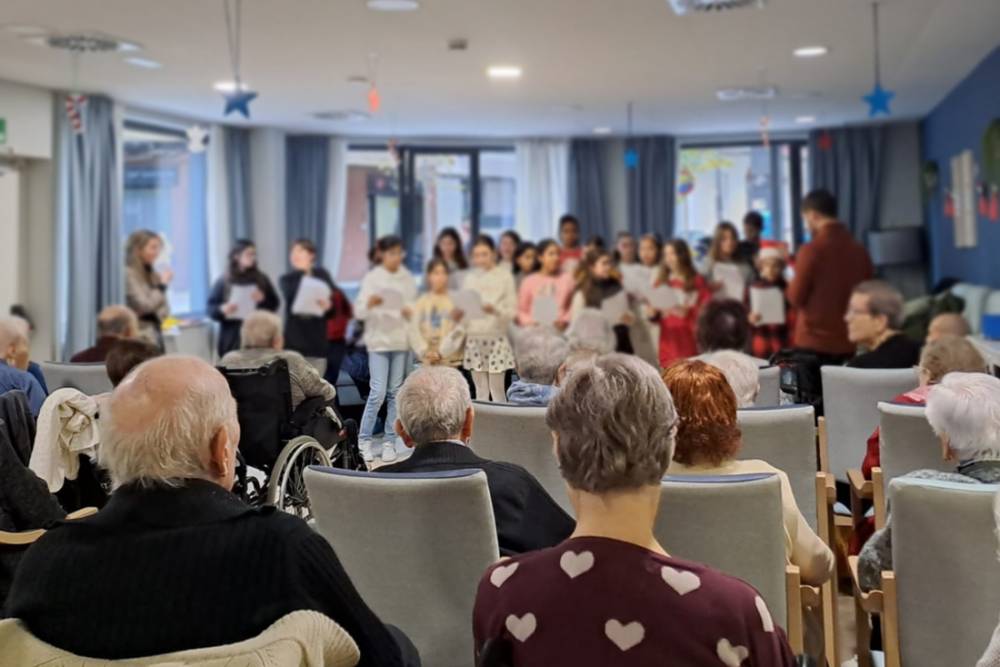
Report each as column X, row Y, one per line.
column 708, row 441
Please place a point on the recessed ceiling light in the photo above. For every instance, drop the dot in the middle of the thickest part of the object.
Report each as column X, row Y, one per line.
column 145, row 63
column 507, row 72
column 602, row 130
column 229, row 86
column 811, row 51
column 393, row 5
column 129, row 47
column 25, row 30
column 805, row 120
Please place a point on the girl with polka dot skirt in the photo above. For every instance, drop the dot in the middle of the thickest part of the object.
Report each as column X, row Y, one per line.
column 488, row 353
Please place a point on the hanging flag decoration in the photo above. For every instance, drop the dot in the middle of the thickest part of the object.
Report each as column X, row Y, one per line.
column 374, row 98
column 196, row 136
column 75, row 104
column 879, row 98
column 239, row 98
column 949, row 204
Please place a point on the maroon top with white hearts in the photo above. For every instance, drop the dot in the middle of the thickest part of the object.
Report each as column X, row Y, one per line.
column 598, row 601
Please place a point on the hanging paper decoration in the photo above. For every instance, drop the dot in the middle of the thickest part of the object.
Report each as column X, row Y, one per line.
column 685, row 182
column 374, row 101
column 196, row 136
column 631, row 154
column 878, row 100
column 75, row 104
column 949, row 205
column 825, row 141
column 393, row 146
column 240, row 97
column 374, row 98
column 631, row 158
column 994, row 209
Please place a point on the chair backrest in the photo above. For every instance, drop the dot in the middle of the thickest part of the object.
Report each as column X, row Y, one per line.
column 299, row 638
column 415, row 546
column 264, row 409
column 518, row 434
column 91, row 379
column 196, row 340
column 769, row 395
column 732, row 523
column 944, row 554
column 907, row 441
column 975, row 302
column 786, row 438
column 850, row 404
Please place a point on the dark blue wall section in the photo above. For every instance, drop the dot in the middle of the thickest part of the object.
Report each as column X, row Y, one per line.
column 958, row 124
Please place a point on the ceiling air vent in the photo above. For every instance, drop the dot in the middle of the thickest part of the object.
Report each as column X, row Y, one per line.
column 90, row 42
column 683, row 7
column 353, row 115
column 742, row 94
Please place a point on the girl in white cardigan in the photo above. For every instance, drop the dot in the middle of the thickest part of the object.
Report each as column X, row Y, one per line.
column 488, row 354
column 384, row 305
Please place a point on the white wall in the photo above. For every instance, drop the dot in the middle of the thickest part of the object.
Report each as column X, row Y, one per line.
column 10, row 235
column 37, row 283
column 901, row 202
column 28, row 111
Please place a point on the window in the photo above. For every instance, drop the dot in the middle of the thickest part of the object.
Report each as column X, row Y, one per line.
column 716, row 183
column 164, row 191
column 498, row 185
column 372, row 209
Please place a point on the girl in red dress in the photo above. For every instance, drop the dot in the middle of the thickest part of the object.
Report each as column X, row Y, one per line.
column 677, row 325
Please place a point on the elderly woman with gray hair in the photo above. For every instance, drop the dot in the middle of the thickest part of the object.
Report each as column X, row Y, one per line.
column 874, row 318
column 964, row 411
column 538, row 355
column 613, row 427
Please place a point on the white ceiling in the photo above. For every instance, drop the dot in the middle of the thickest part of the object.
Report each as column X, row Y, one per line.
column 582, row 59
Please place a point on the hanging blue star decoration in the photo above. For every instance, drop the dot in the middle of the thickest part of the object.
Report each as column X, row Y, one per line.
column 878, row 101
column 631, row 158
column 239, row 100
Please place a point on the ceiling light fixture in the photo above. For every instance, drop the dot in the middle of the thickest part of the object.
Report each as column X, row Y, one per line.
column 393, row 5
column 811, row 51
column 602, row 130
column 25, row 30
column 144, row 63
column 230, row 86
column 805, row 120
column 506, row 72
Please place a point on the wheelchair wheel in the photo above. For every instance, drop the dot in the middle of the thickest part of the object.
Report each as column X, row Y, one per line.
column 286, row 488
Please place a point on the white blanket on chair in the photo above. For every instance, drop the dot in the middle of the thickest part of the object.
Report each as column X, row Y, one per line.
column 67, row 429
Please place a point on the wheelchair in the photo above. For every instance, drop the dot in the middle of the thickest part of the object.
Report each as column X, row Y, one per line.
column 277, row 445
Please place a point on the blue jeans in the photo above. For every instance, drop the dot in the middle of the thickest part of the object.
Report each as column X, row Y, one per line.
column 387, row 370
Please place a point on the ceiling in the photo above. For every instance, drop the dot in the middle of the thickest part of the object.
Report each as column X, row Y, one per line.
column 583, row 61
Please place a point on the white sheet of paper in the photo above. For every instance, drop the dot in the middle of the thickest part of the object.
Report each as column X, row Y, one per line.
column 311, row 292
column 769, row 303
column 591, row 326
column 391, row 300
column 615, row 307
column 664, row 298
column 636, row 279
column 242, row 297
column 544, row 309
column 469, row 302
column 733, row 283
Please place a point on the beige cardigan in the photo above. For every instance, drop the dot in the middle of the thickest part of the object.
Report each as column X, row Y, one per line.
column 299, row 639
column 803, row 547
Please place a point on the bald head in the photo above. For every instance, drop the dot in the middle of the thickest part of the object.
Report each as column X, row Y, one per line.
column 172, row 419
column 947, row 324
column 117, row 322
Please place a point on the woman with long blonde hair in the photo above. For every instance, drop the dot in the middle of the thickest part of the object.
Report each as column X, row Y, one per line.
column 145, row 288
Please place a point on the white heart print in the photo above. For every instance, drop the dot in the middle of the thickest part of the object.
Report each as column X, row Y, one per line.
column 682, row 582
column 521, row 628
column 730, row 655
column 624, row 636
column 574, row 564
column 502, row 573
column 765, row 614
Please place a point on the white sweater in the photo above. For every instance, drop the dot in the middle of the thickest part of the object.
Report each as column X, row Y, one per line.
column 385, row 330
column 495, row 288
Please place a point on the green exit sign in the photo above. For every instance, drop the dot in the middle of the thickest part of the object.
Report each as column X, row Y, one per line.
column 3, row 130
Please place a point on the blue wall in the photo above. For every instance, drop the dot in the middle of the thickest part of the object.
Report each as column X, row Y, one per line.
column 958, row 124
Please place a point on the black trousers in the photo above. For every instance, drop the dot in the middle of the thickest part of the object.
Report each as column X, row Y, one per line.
column 411, row 657
column 335, row 351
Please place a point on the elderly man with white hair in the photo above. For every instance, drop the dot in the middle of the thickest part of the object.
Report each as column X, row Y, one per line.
column 742, row 373
column 261, row 342
column 175, row 561
column 538, row 355
column 114, row 323
column 964, row 411
column 435, row 417
column 13, row 340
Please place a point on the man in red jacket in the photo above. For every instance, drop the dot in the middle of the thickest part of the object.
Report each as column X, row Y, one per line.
column 826, row 272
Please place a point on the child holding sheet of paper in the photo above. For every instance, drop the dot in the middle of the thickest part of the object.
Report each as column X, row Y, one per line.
column 307, row 290
column 384, row 304
column 770, row 333
column 488, row 354
column 726, row 271
column 678, row 320
column 432, row 327
column 547, row 282
column 243, row 288
column 600, row 288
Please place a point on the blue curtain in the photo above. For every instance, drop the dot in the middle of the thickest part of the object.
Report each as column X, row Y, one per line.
column 236, row 147
column 307, row 160
column 849, row 164
column 89, row 248
column 651, row 186
column 587, row 184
